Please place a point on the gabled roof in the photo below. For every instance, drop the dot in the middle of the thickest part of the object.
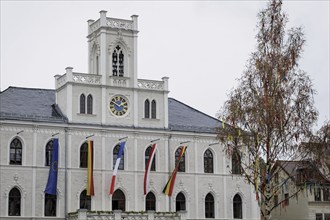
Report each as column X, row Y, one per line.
column 39, row 105
column 292, row 168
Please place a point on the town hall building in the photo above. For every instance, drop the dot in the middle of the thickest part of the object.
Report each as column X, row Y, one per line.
column 105, row 105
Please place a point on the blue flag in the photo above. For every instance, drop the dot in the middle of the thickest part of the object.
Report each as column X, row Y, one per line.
column 52, row 177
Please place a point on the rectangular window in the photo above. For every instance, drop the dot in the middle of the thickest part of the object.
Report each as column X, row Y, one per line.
column 275, row 200
column 318, row 216
column 327, row 216
column 276, row 178
column 286, row 196
column 317, row 194
column 326, row 194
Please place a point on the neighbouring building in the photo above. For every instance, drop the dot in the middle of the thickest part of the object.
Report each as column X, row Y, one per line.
column 303, row 192
column 104, row 105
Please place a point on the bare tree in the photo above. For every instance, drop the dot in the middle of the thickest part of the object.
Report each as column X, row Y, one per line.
column 272, row 108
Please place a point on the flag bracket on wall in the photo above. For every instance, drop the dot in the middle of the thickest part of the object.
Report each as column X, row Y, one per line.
column 120, row 139
column 19, row 132
column 55, row 134
column 155, row 140
column 92, row 135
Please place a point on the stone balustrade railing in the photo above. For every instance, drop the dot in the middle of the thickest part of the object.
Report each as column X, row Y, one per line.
column 93, row 79
column 150, row 84
column 83, row 214
column 70, row 76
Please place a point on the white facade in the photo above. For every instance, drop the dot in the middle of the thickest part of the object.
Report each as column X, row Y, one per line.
column 105, row 129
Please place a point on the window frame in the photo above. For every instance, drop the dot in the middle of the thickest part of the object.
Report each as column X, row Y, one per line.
column 146, row 159
column 121, row 200
column 118, row 61
column 236, row 163
column 237, row 207
column 16, row 152
column 326, row 194
column 90, row 104
column 15, row 200
column 180, row 202
column 182, row 164
column 153, row 109
column 317, row 194
column 150, row 202
column 49, row 152
column 147, row 108
column 82, row 104
column 209, row 206
column 115, row 155
column 83, row 159
column 318, row 216
column 53, row 200
column 286, row 199
column 85, row 200
column 208, row 161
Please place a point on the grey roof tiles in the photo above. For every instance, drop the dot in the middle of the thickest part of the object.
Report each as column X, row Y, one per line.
column 39, row 105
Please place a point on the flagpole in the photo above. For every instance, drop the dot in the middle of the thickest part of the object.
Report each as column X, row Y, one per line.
column 120, row 139
column 89, row 136
column 156, row 140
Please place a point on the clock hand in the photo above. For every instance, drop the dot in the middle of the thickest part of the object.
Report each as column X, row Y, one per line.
column 116, row 104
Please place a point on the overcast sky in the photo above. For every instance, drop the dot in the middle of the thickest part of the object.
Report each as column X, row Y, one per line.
column 202, row 46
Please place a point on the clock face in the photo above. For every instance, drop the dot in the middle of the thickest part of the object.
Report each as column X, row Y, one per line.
column 118, row 105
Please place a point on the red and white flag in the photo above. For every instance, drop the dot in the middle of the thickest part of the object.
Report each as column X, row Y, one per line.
column 146, row 174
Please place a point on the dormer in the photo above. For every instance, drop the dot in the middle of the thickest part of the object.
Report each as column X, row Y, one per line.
column 112, row 50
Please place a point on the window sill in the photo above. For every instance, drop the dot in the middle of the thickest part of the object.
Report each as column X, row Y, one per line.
column 151, row 119
column 85, row 114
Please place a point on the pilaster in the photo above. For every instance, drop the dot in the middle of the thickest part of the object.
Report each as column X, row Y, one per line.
column 34, row 159
column 135, row 28
column 69, row 76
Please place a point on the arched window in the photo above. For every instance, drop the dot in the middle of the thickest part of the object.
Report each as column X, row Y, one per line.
column 208, row 161
column 150, row 202
column 85, row 200
column 153, row 109
column 82, row 104
column 180, row 202
column 237, row 206
column 146, row 109
column 236, row 162
column 49, row 152
column 209, row 206
column 50, row 205
column 83, row 155
column 118, row 61
column 89, row 104
column 147, row 155
column 16, row 152
column 115, row 155
column 14, row 202
column 182, row 165
column 118, row 200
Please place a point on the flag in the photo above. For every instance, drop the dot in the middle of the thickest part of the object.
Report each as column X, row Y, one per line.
column 168, row 189
column 51, row 186
column 115, row 169
column 90, row 182
column 146, row 174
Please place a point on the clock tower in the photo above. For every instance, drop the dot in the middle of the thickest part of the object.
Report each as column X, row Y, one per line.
column 111, row 93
